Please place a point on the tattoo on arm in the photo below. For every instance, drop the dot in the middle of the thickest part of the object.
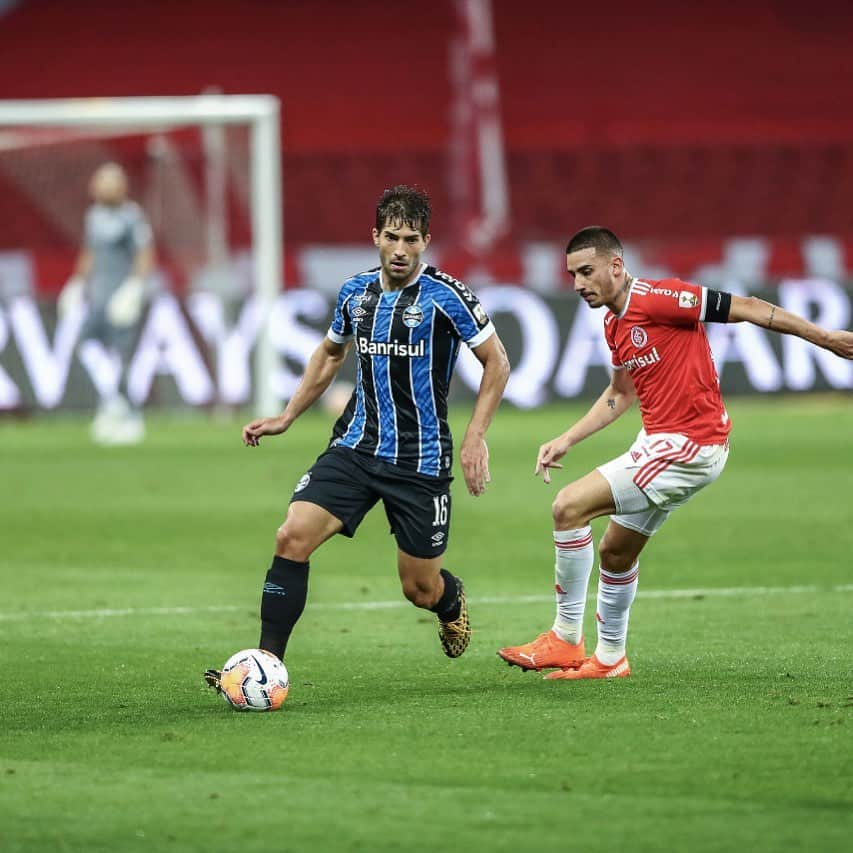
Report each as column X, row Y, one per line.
column 611, row 402
column 772, row 312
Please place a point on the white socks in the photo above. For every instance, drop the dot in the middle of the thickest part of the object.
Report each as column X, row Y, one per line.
column 615, row 595
column 572, row 569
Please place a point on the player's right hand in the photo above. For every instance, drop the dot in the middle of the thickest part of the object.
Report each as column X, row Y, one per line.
column 253, row 431
column 548, row 455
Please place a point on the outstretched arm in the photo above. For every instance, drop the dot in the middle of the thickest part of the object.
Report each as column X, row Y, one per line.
column 323, row 366
column 474, row 454
column 616, row 399
column 753, row 310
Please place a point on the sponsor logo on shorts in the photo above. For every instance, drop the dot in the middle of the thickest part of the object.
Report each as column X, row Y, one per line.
column 437, row 538
column 413, row 316
column 686, row 299
column 639, row 338
column 303, row 482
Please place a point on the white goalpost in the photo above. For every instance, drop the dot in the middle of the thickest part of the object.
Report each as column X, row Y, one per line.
column 258, row 113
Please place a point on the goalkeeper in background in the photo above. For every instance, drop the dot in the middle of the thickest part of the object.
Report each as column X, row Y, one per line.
column 110, row 277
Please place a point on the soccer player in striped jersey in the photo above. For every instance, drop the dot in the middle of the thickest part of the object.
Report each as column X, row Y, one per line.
column 660, row 355
column 406, row 321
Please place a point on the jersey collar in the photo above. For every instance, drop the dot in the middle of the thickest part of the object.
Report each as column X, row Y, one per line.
column 624, row 310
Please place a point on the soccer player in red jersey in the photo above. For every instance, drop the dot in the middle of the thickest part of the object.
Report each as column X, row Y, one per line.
column 660, row 354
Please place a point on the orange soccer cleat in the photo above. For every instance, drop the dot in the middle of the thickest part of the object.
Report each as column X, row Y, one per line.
column 547, row 651
column 594, row 668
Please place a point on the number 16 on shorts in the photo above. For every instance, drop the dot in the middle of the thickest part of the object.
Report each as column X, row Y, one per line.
column 440, row 503
column 440, row 519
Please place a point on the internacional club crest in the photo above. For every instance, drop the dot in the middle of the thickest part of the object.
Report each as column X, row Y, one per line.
column 413, row 316
column 639, row 338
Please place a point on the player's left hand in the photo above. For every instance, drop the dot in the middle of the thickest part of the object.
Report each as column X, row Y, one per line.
column 474, row 457
column 125, row 306
column 841, row 343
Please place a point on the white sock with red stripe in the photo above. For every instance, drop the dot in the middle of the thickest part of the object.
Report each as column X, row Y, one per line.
column 572, row 569
column 616, row 594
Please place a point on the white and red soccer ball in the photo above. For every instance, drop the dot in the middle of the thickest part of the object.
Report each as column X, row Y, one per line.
column 254, row 680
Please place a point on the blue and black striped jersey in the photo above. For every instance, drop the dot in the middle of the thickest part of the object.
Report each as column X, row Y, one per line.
column 406, row 343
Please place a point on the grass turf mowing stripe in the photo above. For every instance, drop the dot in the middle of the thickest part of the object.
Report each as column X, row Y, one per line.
column 699, row 592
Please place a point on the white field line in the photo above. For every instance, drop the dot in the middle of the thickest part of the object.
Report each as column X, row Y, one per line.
column 699, row 592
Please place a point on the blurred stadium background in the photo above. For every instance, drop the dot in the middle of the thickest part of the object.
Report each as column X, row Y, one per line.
column 714, row 143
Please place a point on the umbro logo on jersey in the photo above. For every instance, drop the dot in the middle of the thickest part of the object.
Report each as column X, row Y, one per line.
column 358, row 312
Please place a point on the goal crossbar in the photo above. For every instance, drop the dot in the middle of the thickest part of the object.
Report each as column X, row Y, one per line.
column 262, row 114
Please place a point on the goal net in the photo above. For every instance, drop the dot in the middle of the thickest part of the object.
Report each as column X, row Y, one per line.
column 206, row 172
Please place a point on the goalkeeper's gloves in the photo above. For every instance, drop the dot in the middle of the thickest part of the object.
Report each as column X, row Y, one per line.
column 125, row 306
column 72, row 295
column 213, row 678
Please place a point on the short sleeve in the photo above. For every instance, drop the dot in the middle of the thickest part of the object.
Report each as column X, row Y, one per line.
column 340, row 330
column 673, row 302
column 464, row 311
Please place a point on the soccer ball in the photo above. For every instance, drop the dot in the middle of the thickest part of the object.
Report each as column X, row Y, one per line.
column 254, row 680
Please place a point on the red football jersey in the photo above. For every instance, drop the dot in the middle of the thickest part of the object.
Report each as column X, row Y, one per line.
column 659, row 338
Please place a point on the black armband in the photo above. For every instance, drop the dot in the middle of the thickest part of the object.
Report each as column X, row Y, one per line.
column 717, row 306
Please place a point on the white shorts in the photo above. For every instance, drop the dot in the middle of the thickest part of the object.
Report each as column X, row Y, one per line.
column 658, row 474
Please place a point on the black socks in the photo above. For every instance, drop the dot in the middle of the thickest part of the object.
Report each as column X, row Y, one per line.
column 282, row 603
column 448, row 607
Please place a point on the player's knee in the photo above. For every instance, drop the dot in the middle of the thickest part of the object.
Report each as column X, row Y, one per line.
column 292, row 542
column 568, row 511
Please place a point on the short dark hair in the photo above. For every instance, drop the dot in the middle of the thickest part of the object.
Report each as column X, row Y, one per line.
column 404, row 205
column 595, row 237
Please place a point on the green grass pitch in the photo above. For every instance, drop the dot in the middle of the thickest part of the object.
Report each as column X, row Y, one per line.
column 126, row 572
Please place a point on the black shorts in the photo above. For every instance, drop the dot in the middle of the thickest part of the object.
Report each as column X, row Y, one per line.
column 348, row 485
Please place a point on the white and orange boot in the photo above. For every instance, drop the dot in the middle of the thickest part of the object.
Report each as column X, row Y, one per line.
column 592, row 667
column 547, row 651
